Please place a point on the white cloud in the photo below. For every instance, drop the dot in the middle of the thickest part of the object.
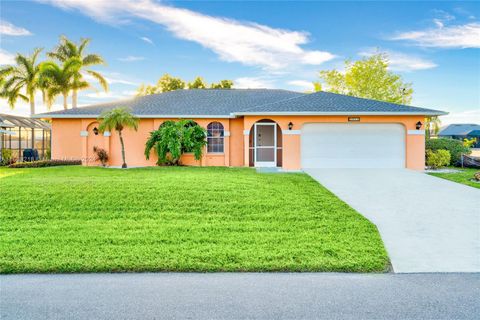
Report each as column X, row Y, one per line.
column 454, row 36
column 399, row 61
column 468, row 116
column 303, row 84
column 8, row 29
column 6, row 57
column 234, row 41
column 112, row 78
column 111, row 95
column 252, row 83
column 131, row 59
column 148, row 40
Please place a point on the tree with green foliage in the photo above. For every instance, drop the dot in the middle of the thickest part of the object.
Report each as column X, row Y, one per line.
column 168, row 83
column 173, row 138
column 58, row 80
column 21, row 80
column 68, row 49
column 198, row 83
column 117, row 119
column 367, row 78
column 223, row 84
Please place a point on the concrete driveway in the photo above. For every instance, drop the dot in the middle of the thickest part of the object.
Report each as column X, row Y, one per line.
column 428, row 224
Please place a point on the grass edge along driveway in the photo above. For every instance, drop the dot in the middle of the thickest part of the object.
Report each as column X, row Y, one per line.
column 463, row 176
column 181, row 219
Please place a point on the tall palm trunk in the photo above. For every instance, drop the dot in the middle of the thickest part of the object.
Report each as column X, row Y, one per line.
column 32, row 104
column 124, row 165
column 74, row 98
column 65, row 101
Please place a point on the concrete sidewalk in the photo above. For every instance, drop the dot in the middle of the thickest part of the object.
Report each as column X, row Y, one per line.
column 428, row 224
column 240, row 296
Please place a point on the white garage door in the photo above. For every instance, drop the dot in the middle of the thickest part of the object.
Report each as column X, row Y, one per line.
column 359, row 145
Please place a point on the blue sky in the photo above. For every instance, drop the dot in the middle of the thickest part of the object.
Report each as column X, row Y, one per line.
column 434, row 45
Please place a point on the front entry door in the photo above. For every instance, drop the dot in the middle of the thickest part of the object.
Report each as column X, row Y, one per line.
column 265, row 144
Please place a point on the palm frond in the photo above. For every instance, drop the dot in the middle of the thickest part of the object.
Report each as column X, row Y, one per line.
column 103, row 82
column 93, row 59
column 83, row 44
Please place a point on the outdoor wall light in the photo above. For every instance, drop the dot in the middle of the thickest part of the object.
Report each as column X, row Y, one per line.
column 418, row 125
column 290, row 125
column 95, row 131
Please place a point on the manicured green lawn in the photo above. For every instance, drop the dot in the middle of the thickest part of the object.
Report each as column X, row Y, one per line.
column 464, row 176
column 76, row 219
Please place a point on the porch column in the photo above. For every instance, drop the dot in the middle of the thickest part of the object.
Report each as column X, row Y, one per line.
column 246, row 146
column 291, row 149
column 226, row 147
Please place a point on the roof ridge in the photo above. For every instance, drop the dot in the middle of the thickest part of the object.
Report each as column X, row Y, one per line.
column 283, row 100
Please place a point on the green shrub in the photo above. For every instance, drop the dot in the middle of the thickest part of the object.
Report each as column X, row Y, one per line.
column 455, row 147
column 173, row 138
column 45, row 163
column 438, row 159
column 7, row 157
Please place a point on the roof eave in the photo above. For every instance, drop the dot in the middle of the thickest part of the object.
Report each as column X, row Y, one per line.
column 352, row 113
column 152, row 116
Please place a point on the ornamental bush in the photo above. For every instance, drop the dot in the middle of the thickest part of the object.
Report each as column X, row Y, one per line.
column 476, row 176
column 45, row 163
column 438, row 159
column 455, row 147
column 172, row 139
column 7, row 158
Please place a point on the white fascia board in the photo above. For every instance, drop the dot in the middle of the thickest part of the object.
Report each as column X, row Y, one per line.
column 89, row 116
column 312, row 113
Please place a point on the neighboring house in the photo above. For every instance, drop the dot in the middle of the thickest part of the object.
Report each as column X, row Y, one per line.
column 461, row 132
column 20, row 133
column 258, row 128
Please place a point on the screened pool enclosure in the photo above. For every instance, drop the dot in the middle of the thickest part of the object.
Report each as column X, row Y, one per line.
column 28, row 139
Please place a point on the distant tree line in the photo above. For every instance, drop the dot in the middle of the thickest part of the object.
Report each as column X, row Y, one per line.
column 168, row 83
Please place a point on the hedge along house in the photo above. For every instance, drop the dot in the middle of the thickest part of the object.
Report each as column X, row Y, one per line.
column 257, row 128
column 20, row 133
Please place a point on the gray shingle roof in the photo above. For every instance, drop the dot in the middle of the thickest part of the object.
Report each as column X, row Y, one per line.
column 327, row 102
column 459, row 129
column 231, row 102
column 206, row 102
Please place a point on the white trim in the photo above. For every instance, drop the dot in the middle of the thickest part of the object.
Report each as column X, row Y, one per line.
column 235, row 114
column 351, row 113
column 246, row 132
column 291, row 132
column 226, row 133
column 83, row 133
column 416, row 132
column 154, row 116
column 107, row 134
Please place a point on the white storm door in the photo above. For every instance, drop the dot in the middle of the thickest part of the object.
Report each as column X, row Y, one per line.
column 265, row 144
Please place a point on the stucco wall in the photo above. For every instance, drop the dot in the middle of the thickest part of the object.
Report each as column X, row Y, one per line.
column 68, row 143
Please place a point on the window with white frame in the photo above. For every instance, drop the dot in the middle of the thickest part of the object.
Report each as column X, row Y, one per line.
column 215, row 134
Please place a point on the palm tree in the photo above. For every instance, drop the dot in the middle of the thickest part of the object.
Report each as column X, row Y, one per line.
column 118, row 119
column 69, row 49
column 56, row 80
column 24, row 75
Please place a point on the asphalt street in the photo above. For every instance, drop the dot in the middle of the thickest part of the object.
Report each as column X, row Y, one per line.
column 240, row 296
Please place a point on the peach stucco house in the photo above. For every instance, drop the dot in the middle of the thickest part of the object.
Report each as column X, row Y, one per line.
column 258, row 128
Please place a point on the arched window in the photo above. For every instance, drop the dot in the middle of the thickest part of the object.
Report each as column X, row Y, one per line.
column 215, row 136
